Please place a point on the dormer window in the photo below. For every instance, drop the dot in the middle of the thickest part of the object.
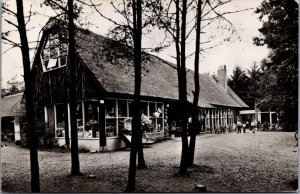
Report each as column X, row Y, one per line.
column 54, row 53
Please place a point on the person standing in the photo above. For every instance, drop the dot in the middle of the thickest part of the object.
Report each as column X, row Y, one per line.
column 239, row 125
column 244, row 127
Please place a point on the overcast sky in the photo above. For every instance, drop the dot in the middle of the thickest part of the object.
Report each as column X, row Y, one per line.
column 240, row 52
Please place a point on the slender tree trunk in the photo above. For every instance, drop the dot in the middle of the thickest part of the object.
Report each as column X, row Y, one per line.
column 75, row 169
column 136, row 120
column 34, row 163
column 177, row 43
column 195, row 112
column 183, row 95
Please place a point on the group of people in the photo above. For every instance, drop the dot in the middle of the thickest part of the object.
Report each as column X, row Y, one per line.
column 240, row 127
column 252, row 126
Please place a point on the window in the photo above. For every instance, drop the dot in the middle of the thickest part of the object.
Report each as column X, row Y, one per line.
column 61, row 120
column 111, row 117
column 213, row 122
column 50, row 115
column 155, row 114
column 91, row 113
column 230, row 117
column 57, row 119
column 119, row 115
column 87, row 115
column 79, row 121
column 50, row 120
column 54, row 53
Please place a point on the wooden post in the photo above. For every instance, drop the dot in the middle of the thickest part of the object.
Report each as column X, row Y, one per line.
column 17, row 130
column 102, row 133
column 46, row 114
column 69, row 119
column 55, row 120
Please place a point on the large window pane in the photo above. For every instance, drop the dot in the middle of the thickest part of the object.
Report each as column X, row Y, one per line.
column 61, row 119
column 151, row 109
column 91, row 119
column 111, row 129
column 159, row 125
column 50, row 130
column 159, row 110
column 110, row 106
column 122, row 108
column 79, row 120
column 131, row 108
column 50, row 115
column 144, row 106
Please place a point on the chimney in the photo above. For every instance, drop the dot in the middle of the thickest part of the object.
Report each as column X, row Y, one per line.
column 222, row 76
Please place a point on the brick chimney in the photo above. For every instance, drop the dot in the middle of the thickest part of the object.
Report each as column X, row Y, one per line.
column 222, row 76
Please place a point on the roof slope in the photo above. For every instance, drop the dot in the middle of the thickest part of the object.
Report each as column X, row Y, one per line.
column 112, row 64
column 11, row 105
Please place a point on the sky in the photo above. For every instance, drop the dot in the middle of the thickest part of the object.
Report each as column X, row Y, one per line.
column 238, row 51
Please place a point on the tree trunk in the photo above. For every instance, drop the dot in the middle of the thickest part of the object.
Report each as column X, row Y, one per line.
column 195, row 112
column 136, row 120
column 75, row 169
column 34, row 163
column 177, row 43
column 183, row 95
column 141, row 159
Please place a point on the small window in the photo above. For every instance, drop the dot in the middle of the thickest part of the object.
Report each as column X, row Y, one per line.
column 54, row 53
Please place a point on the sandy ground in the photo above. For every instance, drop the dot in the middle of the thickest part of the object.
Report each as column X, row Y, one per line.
column 260, row 162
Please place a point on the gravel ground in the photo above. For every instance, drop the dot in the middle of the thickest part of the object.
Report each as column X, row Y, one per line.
column 260, row 162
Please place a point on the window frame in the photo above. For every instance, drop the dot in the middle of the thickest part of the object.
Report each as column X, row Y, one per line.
column 59, row 65
column 117, row 118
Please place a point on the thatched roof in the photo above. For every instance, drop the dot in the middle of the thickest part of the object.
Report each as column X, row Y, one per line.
column 112, row 64
column 11, row 105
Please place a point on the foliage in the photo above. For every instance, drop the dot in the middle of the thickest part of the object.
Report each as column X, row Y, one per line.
column 239, row 83
column 280, row 69
column 14, row 87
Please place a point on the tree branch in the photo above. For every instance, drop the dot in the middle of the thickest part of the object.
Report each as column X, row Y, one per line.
column 58, row 5
column 9, row 11
column 99, row 12
column 8, row 41
column 9, row 22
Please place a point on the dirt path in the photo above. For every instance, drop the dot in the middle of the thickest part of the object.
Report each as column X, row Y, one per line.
column 260, row 162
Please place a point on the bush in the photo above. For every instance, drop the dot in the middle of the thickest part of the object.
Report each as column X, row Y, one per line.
column 18, row 143
column 83, row 149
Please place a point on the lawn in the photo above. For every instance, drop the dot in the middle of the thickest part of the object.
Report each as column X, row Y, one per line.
column 260, row 162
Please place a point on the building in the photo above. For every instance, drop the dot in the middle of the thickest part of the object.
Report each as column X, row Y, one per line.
column 269, row 117
column 105, row 88
column 11, row 110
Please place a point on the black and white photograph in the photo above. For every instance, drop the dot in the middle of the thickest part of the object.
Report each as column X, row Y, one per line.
column 141, row 96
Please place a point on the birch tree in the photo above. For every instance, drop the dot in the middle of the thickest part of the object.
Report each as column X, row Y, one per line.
column 29, row 105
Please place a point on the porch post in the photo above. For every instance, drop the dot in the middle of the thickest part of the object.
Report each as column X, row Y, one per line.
column 102, row 133
column 17, row 130
column 259, row 116
column 46, row 114
column 270, row 113
column 55, row 121
column 69, row 119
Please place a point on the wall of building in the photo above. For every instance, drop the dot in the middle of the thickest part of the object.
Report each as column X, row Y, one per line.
column 94, row 145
